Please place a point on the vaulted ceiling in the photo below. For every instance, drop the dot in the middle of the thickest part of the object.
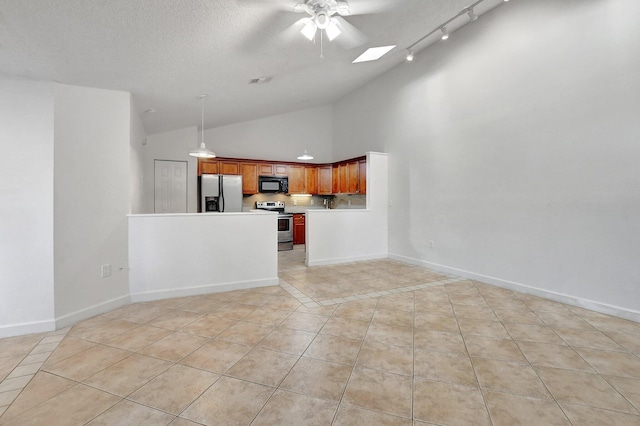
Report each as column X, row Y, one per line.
column 167, row 52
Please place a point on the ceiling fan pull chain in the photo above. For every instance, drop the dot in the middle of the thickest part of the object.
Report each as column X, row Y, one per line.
column 321, row 45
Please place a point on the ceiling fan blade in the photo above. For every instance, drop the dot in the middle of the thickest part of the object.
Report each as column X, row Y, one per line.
column 350, row 36
column 363, row 7
column 281, row 5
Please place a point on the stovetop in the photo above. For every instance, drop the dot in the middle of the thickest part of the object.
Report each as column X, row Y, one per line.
column 274, row 206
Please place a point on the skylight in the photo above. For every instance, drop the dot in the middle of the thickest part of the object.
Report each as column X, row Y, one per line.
column 373, row 54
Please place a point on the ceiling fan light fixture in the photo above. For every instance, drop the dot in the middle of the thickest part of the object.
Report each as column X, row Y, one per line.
column 333, row 30
column 309, row 29
column 322, row 19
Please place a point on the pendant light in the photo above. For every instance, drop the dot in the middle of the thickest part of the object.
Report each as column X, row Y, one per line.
column 305, row 156
column 202, row 152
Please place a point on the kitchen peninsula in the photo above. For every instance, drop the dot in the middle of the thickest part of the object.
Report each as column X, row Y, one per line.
column 172, row 255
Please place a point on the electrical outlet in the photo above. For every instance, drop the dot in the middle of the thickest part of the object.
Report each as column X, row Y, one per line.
column 295, row 202
column 312, row 202
column 105, row 271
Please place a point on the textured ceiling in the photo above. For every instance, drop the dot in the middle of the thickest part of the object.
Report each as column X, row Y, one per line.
column 167, row 52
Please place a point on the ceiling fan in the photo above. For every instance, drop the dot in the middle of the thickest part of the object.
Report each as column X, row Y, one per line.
column 322, row 17
column 326, row 17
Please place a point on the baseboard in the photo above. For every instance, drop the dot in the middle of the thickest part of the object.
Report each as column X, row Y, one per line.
column 523, row 288
column 148, row 296
column 27, row 328
column 339, row 260
column 91, row 311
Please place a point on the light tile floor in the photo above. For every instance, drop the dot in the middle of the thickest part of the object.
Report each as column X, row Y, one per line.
column 432, row 350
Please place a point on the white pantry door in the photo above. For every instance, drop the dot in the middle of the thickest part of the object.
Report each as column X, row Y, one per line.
column 170, row 190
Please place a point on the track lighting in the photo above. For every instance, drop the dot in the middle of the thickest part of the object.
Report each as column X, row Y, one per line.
column 472, row 16
column 469, row 11
column 409, row 56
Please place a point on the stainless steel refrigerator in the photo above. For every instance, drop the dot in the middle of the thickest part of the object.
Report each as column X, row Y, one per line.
column 220, row 193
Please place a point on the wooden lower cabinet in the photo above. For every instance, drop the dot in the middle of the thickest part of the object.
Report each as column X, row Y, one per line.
column 298, row 228
column 249, row 172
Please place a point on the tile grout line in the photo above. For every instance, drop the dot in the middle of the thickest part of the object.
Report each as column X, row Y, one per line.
column 18, row 381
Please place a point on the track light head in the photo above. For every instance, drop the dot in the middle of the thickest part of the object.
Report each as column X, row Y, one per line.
column 472, row 16
column 409, row 56
column 445, row 34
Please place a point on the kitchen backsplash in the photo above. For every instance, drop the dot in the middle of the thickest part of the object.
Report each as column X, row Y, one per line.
column 302, row 203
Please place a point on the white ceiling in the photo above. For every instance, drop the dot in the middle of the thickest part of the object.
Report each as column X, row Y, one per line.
column 167, row 52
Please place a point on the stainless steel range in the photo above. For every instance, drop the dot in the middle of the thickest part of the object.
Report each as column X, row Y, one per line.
column 285, row 223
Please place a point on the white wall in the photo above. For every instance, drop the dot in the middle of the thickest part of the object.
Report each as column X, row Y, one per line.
column 180, row 255
column 514, row 147
column 172, row 146
column 91, row 200
column 280, row 137
column 26, row 210
column 138, row 140
column 349, row 235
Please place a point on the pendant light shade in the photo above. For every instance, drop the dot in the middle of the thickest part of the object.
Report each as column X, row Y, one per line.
column 202, row 152
column 305, row 156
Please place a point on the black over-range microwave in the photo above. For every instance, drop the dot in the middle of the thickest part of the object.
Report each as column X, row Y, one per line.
column 273, row 184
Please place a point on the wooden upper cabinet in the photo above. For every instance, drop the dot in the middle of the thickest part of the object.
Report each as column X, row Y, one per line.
column 280, row 169
column 352, row 177
column 325, row 178
column 335, row 179
column 229, row 167
column 265, row 169
column 296, row 179
column 343, row 187
column 362, row 177
column 207, row 166
column 311, row 180
column 249, row 172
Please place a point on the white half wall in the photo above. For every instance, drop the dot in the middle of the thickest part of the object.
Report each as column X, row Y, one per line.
column 138, row 140
column 26, row 210
column 91, row 200
column 174, row 255
column 340, row 236
column 171, row 146
column 280, row 137
column 514, row 148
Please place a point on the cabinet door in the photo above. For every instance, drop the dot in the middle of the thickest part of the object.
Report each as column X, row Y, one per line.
column 335, row 180
column 362, row 177
column 265, row 169
column 280, row 169
column 344, row 183
column 207, row 166
column 249, row 172
column 311, row 180
column 296, row 179
column 325, row 175
column 352, row 177
column 229, row 168
column 298, row 229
